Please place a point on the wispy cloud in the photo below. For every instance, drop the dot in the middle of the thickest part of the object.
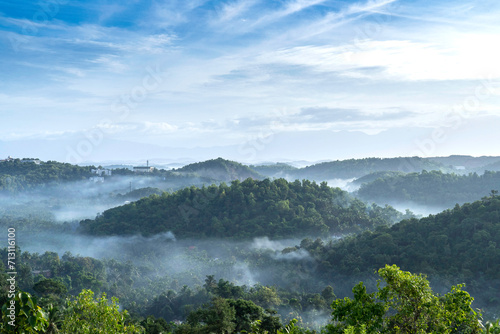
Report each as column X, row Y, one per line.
column 291, row 7
column 234, row 10
column 369, row 6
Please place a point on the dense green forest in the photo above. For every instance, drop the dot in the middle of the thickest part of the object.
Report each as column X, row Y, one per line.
column 244, row 210
column 18, row 175
column 278, row 170
column 430, row 188
column 374, row 176
column 459, row 245
column 221, row 170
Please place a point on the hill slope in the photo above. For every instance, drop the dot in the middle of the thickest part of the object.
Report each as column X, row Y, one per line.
column 17, row 174
column 220, row 170
column 277, row 170
column 244, row 210
column 460, row 241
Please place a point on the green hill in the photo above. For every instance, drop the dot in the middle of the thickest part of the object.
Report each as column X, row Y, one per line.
column 374, row 176
column 276, row 170
column 244, row 210
column 459, row 245
column 22, row 174
column 220, row 170
column 495, row 166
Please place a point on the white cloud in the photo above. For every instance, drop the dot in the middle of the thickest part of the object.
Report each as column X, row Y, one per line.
column 158, row 128
column 137, row 128
column 466, row 58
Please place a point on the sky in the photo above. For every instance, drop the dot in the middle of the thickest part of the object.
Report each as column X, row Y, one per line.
column 249, row 80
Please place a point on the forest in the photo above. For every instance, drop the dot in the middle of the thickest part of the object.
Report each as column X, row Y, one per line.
column 220, row 247
column 245, row 209
column 18, row 175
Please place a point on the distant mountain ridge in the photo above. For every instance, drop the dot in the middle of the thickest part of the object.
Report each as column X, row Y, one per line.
column 355, row 168
column 222, row 170
column 467, row 161
column 429, row 188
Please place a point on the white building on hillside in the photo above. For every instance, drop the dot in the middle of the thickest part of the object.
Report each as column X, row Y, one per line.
column 144, row 169
column 101, row 171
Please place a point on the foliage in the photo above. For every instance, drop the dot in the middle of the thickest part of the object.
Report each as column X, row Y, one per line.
column 86, row 315
column 405, row 304
column 50, row 287
column 154, row 325
column 21, row 314
column 461, row 241
column 18, row 175
column 274, row 170
column 221, row 170
column 492, row 327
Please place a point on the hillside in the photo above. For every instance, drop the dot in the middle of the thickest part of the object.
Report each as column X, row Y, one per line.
column 374, row 176
column 430, row 188
column 21, row 174
column 277, row 170
column 460, row 240
column 220, row 170
column 459, row 245
column 244, row 210
column 355, row 168
column 495, row 166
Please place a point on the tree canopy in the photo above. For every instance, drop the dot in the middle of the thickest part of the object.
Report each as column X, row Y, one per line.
column 245, row 209
column 404, row 303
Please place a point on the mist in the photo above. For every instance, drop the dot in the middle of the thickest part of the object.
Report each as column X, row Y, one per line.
column 75, row 201
column 417, row 209
column 344, row 184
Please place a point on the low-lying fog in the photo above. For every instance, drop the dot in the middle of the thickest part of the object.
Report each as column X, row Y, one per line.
column 85, row 199
column 418, row 209
column 167, row 256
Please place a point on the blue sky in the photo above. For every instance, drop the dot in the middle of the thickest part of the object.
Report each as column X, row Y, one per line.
column 251, row 73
